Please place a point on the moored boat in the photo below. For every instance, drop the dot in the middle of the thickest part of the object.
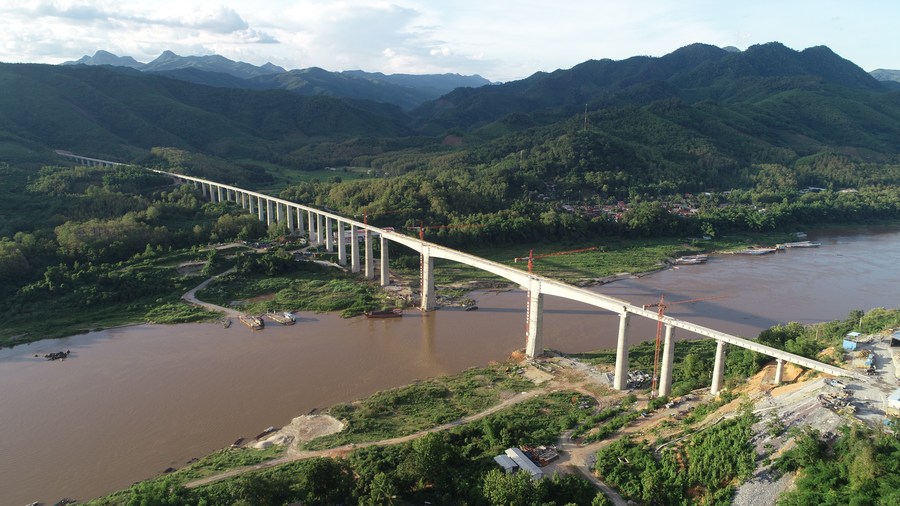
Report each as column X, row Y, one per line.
column 386, row 313
column 284, row 318
column 756, row 251
column 691, row 259
column 802, row 244
column 254, row 322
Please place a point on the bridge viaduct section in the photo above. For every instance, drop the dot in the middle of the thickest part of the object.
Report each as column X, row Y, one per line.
column 332, row 231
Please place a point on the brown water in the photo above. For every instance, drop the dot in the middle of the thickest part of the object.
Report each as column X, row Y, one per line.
column 130, row 402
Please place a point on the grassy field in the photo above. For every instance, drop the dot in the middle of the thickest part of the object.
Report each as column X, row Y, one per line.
column 611, row 257
column 415, row 407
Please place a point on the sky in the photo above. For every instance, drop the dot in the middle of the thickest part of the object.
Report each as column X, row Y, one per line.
column 501, row 40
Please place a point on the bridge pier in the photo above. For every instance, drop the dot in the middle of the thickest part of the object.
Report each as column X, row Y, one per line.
column 427, row 275
column 301, row 227
column 320, row 229
column 383, row 266
column 534, row 344
column 354, row 249
column 779, row 371
column 329, row 238
column 718, row 379
column 269, row 213
column 259, row 209
column 370, row 256
column 620, row 379
column 341, row 244
column 279, row 213
column 290, row 214
column 311, row 221
column 219, row 193
column 203, row 190
column 665, row 370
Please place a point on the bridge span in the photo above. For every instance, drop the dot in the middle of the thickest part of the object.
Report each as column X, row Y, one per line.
column 330, row 230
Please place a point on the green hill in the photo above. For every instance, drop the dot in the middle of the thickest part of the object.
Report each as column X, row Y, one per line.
column 121, row 113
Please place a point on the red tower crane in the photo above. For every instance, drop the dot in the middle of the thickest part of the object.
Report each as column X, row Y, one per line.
column 531, row 258
column 662, row 305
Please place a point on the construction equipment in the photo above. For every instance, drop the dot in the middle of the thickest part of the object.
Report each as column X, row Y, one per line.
column 421, row 229
column 662, row 305
column 531, row 258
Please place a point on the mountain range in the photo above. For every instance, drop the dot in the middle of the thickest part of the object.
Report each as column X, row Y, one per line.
column 404, row 90
column 697, row 109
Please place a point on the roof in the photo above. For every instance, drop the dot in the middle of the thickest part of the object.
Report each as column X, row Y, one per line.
column 505, row 462
column 524, row 462
column 853, row 334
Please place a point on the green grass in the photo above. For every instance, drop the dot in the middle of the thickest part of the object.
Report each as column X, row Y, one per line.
column 419, row 406
column 310, row 287
column 614, row 256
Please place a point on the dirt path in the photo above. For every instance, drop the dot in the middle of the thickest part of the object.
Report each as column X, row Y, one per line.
column 191, row 296
column 345, row 449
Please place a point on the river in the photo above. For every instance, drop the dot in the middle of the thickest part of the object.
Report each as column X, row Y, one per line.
column 132, row 401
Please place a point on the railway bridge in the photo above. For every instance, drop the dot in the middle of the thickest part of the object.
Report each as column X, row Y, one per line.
column 334, row 232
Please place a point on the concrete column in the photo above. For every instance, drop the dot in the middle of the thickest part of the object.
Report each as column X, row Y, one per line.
column 341, row 244
column 250, row 203
column 212, row 194
column 320, row 229
column 620, row 380
column 665, row 370
column 718, row 379
column 329, row 238
column 301, row 227
column 269, row 213
column 311, row 221
column 534, row 344
column 260, row 209
column 219, row 194
column 243, row 200
column 279, row 212
column 354, row 249
column 204, row 190
column 370, row 256
column 289, row 214
column 779, row 370
column 427, row 273
column 383, row 268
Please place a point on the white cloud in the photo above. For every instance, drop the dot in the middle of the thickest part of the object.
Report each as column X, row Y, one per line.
column 501, row 40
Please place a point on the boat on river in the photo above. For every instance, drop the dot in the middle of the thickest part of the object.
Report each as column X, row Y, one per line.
column 756, row 251
column 801, row 244
column 284, row 318
column 386, row 313
column 691, row 260
column 254, row 322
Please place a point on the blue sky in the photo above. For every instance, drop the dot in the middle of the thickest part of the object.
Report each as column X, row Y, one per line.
column 501, row 40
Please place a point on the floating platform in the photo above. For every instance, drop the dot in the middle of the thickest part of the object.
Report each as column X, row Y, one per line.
column 387, row 313
column 284, row 318
column 254, row 322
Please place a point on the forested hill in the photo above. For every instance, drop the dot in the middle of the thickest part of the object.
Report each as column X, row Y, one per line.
column 693, row 73
column 120, row 113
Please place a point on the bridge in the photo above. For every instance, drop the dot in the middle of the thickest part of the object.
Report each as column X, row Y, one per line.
column 329, row 230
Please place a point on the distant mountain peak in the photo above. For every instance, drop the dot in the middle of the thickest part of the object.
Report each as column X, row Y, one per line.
column 102, row 57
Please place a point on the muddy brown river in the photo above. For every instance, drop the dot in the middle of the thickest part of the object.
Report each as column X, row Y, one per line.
column 130, row 402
